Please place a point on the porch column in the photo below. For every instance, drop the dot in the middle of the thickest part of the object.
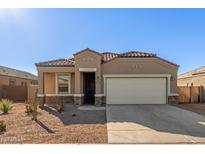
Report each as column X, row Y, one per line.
column 41, row 87
column 98, row 88
column 78, row 96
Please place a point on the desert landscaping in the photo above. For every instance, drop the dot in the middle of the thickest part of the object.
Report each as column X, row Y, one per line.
column 53, row 127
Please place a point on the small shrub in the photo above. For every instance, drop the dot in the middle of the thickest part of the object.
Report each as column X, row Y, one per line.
column 60, row 108
column 29, row 108
column 35, row 111
column 73, row 115
column 6, row 105
column 35, row 107
column 2, row 126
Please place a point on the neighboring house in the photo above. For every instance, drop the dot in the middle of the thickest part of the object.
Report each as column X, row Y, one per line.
column 108, row 78
column 195, row 77
column 11, row 78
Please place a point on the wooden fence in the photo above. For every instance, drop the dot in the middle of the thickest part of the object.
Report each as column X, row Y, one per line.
column 19, row 93
column 191, row 94
column 32, row 89
column 15, row 93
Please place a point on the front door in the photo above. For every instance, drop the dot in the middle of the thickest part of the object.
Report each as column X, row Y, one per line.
column 89, row 88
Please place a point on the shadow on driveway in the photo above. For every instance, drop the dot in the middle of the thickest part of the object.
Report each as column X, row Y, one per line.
column 196, row 107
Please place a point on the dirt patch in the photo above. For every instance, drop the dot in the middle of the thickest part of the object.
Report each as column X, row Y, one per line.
column 53, row 127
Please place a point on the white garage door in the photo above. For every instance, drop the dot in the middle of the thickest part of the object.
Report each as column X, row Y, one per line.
column 136, row 91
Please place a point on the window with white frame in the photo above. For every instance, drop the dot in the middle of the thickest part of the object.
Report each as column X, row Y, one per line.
column 63, row 83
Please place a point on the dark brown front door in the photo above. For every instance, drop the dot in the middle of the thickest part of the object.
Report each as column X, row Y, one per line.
column 89, row 88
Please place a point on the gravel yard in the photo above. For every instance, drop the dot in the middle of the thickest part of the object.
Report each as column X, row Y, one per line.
column 53, row 127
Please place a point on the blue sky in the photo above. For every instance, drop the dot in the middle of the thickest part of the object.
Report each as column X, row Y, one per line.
column 28, row 36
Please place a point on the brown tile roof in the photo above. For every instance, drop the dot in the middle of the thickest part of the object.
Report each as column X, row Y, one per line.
column 137, row 54
column 58, row 62
column 6, row 71
column 106, row 56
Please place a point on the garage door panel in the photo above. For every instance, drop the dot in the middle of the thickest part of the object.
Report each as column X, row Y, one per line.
column 136, row 91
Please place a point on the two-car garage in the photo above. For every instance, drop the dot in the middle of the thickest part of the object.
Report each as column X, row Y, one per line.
column 136, row 90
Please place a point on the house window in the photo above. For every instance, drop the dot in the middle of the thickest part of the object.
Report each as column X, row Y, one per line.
column 63, row 83
column 23, row 84
column 12, row 82
column 33, row 82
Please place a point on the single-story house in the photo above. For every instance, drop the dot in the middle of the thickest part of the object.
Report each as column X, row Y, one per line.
column 13, row 83
column 193, row 78
column 91, row 77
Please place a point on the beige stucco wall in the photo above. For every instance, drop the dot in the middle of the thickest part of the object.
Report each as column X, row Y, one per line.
column 87, row 59
column 50, row 83
column 4, row 80
column 72, row 83
column 184, row 81
column 44, row 86
column 197, row 80
column 142, row 66
column 55, row 69
column 40, row 81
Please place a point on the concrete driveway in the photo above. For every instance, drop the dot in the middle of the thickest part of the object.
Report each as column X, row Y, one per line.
column 153, row 124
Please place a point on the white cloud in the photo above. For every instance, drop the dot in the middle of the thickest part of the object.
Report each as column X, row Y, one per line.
column 12, row 15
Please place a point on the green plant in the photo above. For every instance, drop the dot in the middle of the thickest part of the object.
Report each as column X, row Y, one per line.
column 35, row 107
column 6, row 105
column 2, row 126
column 35, row 111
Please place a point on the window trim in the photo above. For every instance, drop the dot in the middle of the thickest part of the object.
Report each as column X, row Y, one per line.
column 69, row 83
